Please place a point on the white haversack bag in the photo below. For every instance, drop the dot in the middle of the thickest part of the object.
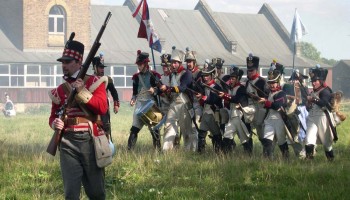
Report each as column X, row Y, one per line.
column 103, row 151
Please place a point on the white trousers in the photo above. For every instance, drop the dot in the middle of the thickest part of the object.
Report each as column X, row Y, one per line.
column 318, row 131
column 275, row 127
column 236, row 125
column 178, row 116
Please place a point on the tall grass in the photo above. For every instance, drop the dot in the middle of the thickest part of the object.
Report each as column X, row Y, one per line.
column 28, row 172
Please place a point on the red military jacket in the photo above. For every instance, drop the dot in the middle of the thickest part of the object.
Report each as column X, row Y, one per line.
column 97, row 104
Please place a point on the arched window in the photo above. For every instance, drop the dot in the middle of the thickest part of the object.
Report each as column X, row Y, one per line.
column 57, row 18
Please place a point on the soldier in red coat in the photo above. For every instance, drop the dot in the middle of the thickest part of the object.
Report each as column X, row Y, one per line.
column 77, row 153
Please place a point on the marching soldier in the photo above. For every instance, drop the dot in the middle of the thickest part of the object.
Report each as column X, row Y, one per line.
column 191, row 61
column 274, row 125
column 256, row 87
column 144, row 84
column 320, row 122
column 297, row 98
column 98, row 67
column 178, row 114
column 165, row 77
column 238, row 100
column 211, row 103
column 218, row 77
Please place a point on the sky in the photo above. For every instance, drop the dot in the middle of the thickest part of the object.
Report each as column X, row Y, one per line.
column 327, row 21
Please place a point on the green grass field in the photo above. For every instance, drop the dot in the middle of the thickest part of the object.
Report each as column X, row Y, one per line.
column 28, row 172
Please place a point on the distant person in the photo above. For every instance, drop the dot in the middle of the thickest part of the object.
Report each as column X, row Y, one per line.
column 99, row 66
column 9, row 108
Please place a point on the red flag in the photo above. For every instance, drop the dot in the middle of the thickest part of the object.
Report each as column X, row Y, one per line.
column 146, row 29
column 137, row 9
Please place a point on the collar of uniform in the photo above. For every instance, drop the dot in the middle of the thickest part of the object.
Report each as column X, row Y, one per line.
column 237, row 84
column 194, row 69
column 278, row 88
column 211, row 83
column 180, row 69
column 71, row 78
column 254, row 77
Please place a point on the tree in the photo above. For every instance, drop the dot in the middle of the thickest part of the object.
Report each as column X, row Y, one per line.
column 308, row 50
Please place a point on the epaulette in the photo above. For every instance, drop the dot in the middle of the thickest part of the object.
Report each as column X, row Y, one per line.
column 156, row 74
column 135, row 75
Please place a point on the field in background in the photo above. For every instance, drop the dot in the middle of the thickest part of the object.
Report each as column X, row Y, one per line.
column 28, row 172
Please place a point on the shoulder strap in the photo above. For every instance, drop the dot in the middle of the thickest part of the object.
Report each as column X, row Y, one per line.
column 141, row 81
column 67, row 88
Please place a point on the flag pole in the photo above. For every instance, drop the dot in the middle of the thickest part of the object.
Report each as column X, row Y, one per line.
column 154, row 63
column 294, row 52
column 294, row 42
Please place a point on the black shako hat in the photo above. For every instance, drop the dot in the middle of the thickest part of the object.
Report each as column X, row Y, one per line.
column 96, row 62
column 165, row 59
column 73, row 50
column 209, row 70
column 319, row 74
column 236, row 72
column 252, row 62
column 274, row 76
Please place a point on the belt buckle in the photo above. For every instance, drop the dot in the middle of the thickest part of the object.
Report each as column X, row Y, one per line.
column 76, row 120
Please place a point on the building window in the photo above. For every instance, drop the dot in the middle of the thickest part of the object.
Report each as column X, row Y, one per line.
column 57, row 20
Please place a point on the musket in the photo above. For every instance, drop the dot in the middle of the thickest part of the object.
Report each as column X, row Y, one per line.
column 62, row 112
column 227, row 96
column 194, row 112
column 197, row 84
column 288, row 123
column 158, row 83
column 257, row 89
column 193, row 91
column 225, row 86
column 254, row 96
column 331, row 125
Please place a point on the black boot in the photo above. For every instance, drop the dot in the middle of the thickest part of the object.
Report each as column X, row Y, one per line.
column 201, row 141
column 133, row 137
column 284, row 150
column 330, row 155
column 177, row 141
column 217, row 143
column 267, row 148
column 228, row 145
column 309, row 150
column 248, row 146
column 156, row 139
